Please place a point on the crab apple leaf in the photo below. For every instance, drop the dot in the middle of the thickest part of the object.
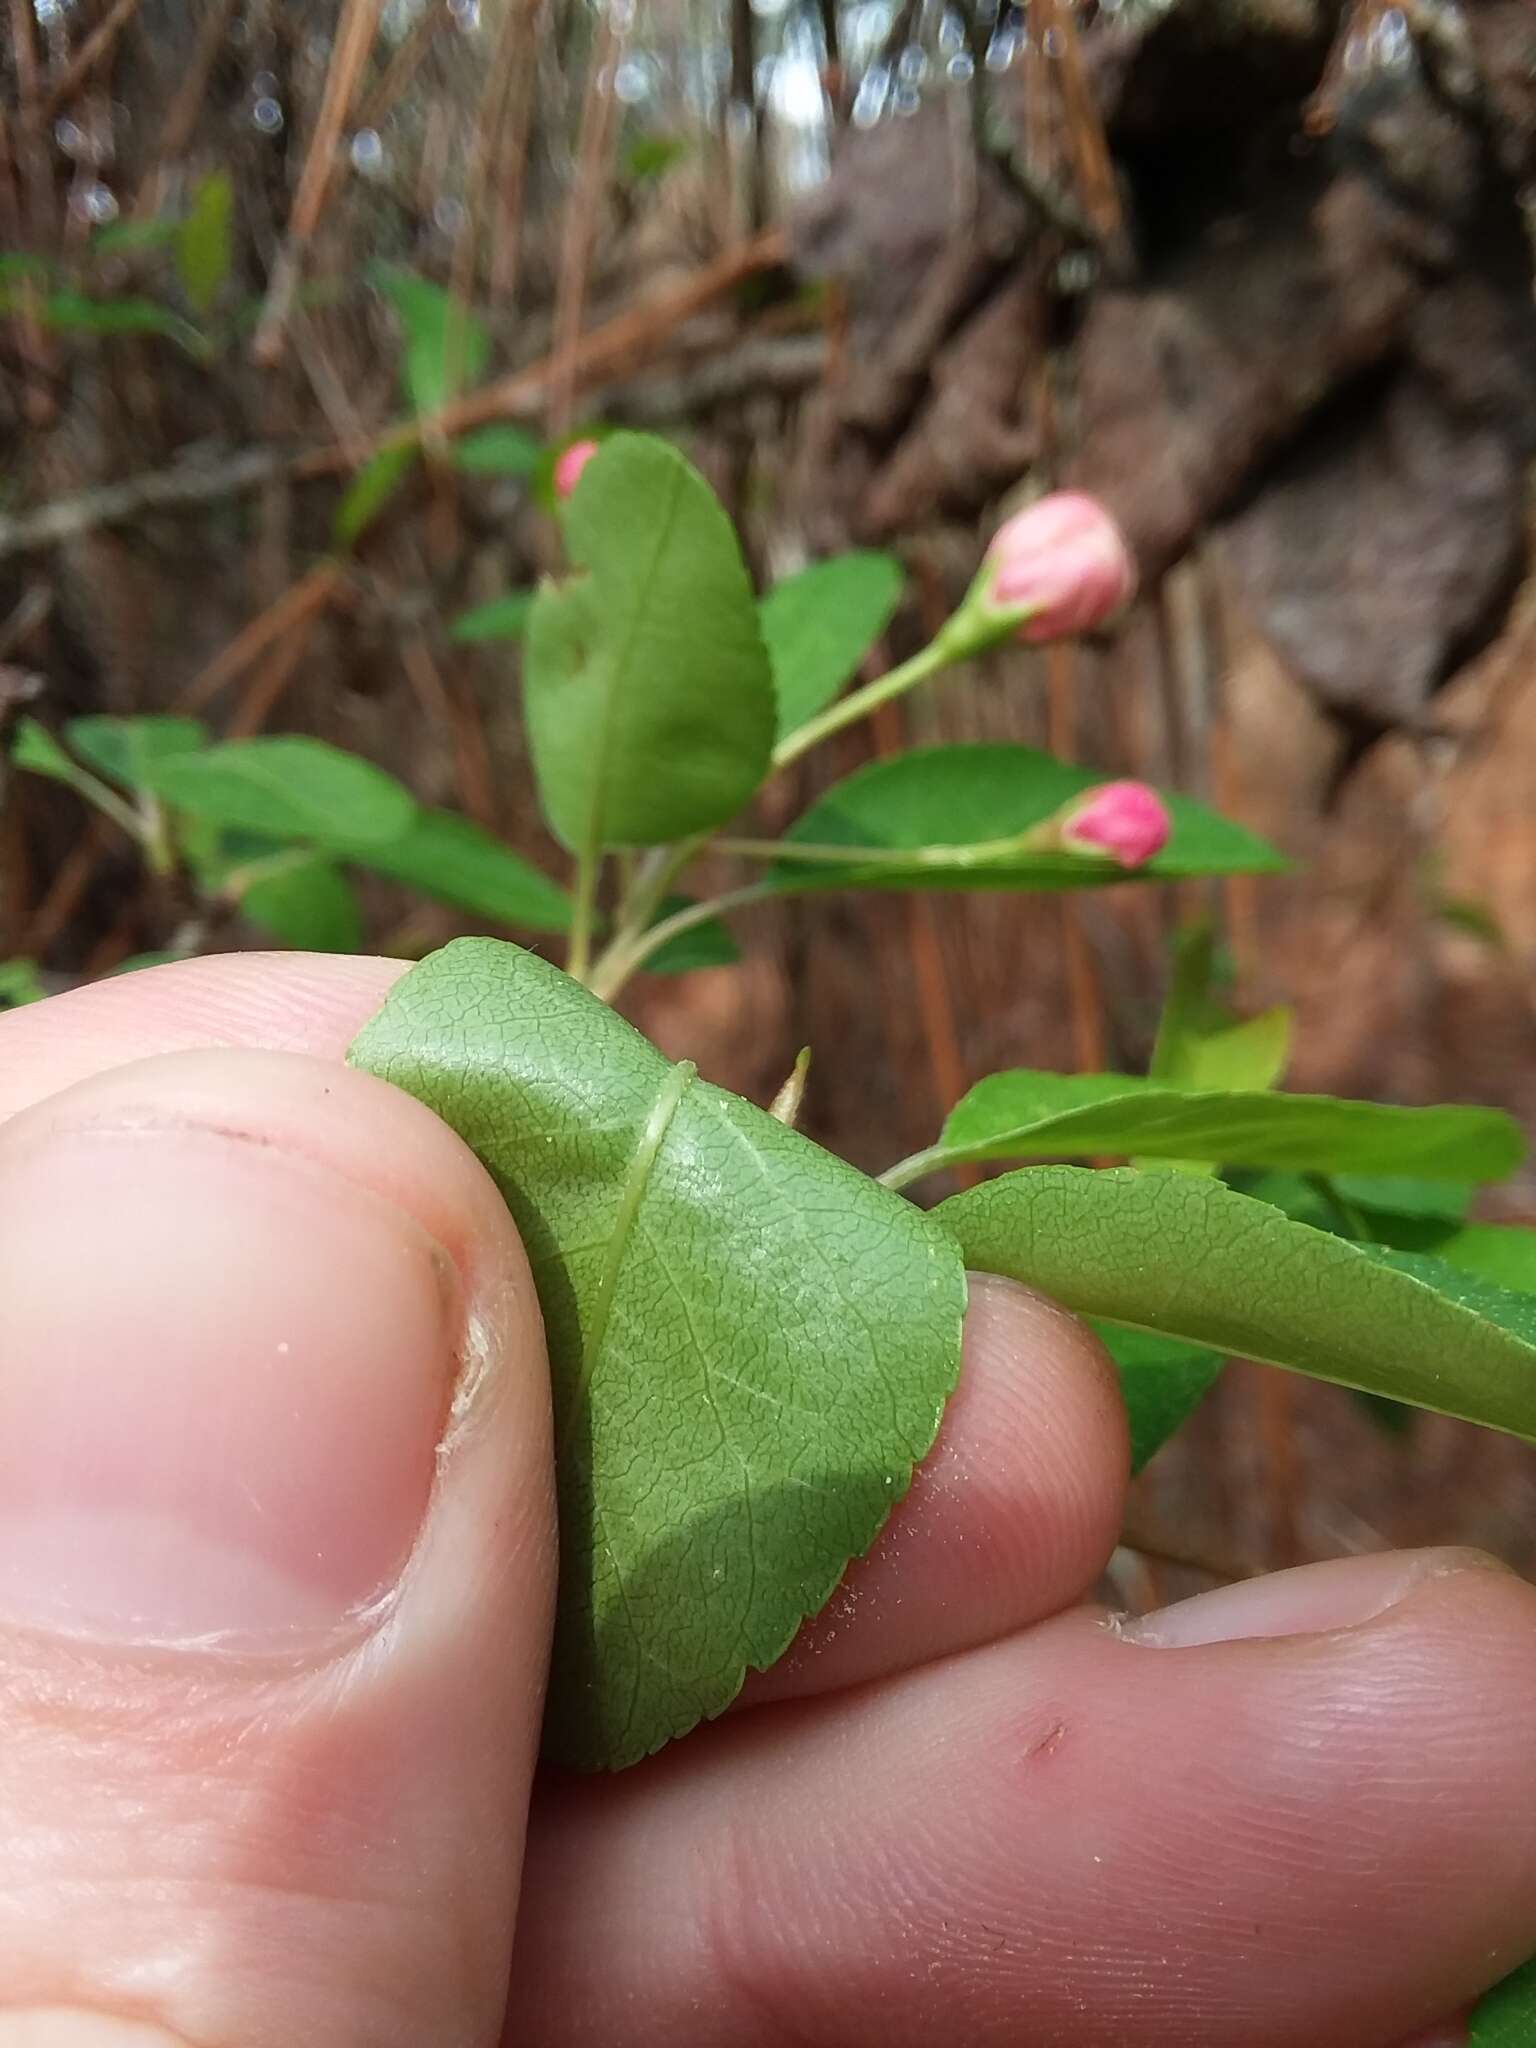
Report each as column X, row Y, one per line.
column 751, row 1344
column 288, row 787
column 646, row 685
column 1506, row 2018
column 1162, row 1383
column 123, row 749
column 1024, row 1114
column 819, row 624
column 1192, row 1260
column 311, row 907
column 456, row 861
column 934, row 819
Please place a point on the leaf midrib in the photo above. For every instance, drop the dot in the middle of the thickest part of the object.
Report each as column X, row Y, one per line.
column 642, row 1165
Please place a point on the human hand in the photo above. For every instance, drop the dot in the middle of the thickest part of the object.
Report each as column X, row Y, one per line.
column 276, row 1563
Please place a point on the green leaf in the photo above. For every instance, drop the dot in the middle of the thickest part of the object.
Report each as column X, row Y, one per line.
column 310, row 906
column 288, row 787
column 1407, row 1215
column 819, row 625
column 648, row 694
column 946, row 808
column 702, row 945
column 1023, row 1114
column 498, row 450
column 371, row 490
column 454, row 860
column 122, row 749
column 127, row 237
column 34, row 748
column 1200, row 1044
column 1506, row 2018
column 649, row 156
column 74, row 312
column 751, row 1343
column 1193, row 1260
column 19, row 263
column 446, row 347
column 204, row 247
column 1163, row 1382
column 20, row 983
column 503, row 618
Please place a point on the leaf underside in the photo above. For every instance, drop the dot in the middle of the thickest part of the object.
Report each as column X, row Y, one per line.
column 751, row 1344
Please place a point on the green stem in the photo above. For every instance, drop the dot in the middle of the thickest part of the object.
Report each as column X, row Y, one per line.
column 620, row 961
column 589, row 868
column 912, row 1168
column 981, row 853
column 939, row 653
column 1348, row 1217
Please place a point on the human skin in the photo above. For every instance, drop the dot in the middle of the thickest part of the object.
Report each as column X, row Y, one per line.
column 276, row 1565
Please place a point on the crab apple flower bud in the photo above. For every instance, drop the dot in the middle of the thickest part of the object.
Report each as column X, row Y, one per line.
column 1125, row 820
column 1062, row 565
column 569, row 465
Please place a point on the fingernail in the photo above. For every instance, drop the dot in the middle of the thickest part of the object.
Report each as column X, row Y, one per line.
column 224, row 1374
column 1310, row 1600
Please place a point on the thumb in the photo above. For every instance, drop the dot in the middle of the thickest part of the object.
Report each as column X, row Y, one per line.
column 276, row 1564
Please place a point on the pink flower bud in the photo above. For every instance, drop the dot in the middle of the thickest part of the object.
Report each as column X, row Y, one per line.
column 569, row 465
column 1063, row 563
column 1125, row 820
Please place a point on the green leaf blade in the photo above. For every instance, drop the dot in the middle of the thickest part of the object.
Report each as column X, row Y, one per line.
column 456, row 861
column 370, row 490
column 941, row 803
column 446, row 346
column 498, row 450
column 204, row 245
column 1506, row 2018
column 287, row 787
column 647, row 690
column 124, row 749
column 1192, row 1260
column 819, row 624
column 1025, row 1114
column 750, row 1344
column 501, row 618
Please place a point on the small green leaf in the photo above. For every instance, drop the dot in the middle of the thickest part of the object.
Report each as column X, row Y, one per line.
column 371, row 490
column 933, row 819
column 1410, row 1216
column 1162, row 1381
column 1506, row 2018
column 503, row 618
column 287, row 787
column 702, row 945
column 74, row 312
column 19, row 263
column 647, row 157
column 751, row 1344
column 310, row 906
column 20, row 983
column 498, row 450
column 128, row 237
column 446, row 347
column 1192, row 1260
column 204, row 246
column 647, row 690
column 121, row 749
column 454, row 860
column 1200, row 1043
column 819, row 625
column 34, row 748
column 1024, row 1114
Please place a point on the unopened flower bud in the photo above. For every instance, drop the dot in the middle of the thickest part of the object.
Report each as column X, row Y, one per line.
column 1124, row 820
column 568, row 467
column 1062, row 565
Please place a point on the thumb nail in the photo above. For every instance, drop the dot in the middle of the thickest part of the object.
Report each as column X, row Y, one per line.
column 224, row 1374
column 1309, row 1600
